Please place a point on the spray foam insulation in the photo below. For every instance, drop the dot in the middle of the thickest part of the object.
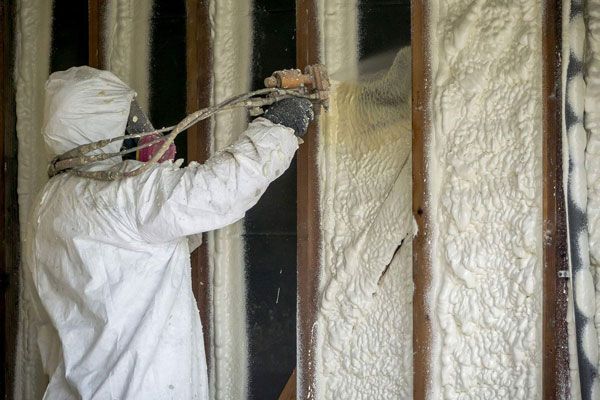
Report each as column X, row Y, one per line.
column 485, row 184
column 364, row 348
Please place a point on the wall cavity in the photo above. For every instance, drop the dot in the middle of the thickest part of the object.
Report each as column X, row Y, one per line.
column 33, row 35
column 364, row 320
column 485, row 185
column 231, row 29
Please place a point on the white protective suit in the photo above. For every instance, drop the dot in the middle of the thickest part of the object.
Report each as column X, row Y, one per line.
column 110, row 260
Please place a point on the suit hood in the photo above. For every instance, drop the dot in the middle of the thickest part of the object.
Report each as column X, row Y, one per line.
column 84, row 105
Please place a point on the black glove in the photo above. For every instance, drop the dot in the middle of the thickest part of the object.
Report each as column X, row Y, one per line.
column 294, row 112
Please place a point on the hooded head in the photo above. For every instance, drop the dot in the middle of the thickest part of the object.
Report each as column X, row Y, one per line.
column 84, row 105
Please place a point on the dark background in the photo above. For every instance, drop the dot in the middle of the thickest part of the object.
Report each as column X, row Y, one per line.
column 271, row 226
column 383, row 25
column 69, row 45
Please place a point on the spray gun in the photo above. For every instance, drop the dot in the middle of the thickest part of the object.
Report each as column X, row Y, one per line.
column 313, row 84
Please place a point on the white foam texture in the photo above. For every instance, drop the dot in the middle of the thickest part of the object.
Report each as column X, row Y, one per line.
column 127, row 30
column 231, row 30
column 33, row 35
column 485, row 185
column 592, row 126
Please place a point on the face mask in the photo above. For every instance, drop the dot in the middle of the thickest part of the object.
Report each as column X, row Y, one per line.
column 137, row 123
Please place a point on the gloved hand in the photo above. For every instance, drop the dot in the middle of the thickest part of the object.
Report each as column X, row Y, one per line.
column 295, row 113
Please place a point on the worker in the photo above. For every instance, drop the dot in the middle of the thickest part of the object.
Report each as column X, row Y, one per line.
column 110, row 260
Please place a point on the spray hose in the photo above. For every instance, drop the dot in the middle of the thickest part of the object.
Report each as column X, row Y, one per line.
column 78, row 157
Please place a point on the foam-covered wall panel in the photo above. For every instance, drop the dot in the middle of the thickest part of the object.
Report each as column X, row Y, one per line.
column 364, row 347
column 486, row 196
column 33, row 35
column 127, row 32
column 364, row 319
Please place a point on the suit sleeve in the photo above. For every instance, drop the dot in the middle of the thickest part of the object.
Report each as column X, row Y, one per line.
column 172, row 203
